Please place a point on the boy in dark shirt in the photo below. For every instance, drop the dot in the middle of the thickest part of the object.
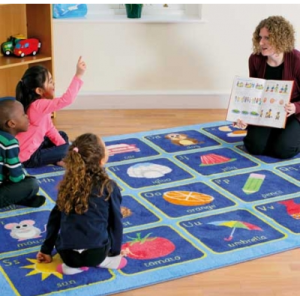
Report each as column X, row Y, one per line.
column 15, row 187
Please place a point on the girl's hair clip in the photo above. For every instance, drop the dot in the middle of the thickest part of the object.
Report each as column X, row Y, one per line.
column 75, row 149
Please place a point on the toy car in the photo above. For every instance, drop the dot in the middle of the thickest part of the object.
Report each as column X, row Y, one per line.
column 27, row 47
column 7, row 47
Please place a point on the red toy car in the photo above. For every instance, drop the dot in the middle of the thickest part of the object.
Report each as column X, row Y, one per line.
column 27, row 47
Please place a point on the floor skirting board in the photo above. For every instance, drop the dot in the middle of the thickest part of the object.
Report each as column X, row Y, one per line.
column 153, row 100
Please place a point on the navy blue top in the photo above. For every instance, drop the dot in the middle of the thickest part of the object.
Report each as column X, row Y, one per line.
column 101, row 224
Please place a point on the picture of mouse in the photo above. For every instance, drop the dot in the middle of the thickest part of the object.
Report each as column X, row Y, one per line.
column 24, row 230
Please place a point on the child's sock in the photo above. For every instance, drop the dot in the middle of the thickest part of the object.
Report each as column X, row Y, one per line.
column 64, row 269
column 114, row 262
column 35, row 201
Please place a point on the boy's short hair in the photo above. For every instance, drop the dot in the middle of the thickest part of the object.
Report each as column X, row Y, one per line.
column 6, row 111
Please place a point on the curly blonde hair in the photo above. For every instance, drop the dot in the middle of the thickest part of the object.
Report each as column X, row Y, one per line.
column 281, row 34
column 83, row 172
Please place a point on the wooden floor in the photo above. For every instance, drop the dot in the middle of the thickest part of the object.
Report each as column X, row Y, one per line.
column 273, row 275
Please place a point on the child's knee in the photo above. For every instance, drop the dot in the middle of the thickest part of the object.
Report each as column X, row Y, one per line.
column 32, row 184
column 64, row 136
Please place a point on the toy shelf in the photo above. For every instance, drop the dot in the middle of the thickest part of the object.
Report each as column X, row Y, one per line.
column 33, row 21
column 9, row 62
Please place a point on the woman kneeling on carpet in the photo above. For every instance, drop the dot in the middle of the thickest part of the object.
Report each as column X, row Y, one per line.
column 275, row 58
column 85, row 225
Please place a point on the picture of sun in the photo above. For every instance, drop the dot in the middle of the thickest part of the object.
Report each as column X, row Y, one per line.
column 45, row 269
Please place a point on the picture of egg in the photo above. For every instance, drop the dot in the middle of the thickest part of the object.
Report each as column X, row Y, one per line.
column 148, row 170
column 272, row 100
column 281, row 102
column 225, row 129
column 237, row 133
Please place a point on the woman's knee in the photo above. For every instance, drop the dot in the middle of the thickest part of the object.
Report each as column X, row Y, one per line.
column 254, row 147
column 285, row 152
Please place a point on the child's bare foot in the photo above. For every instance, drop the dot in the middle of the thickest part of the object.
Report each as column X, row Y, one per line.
column 61, row 164
column 125, row 252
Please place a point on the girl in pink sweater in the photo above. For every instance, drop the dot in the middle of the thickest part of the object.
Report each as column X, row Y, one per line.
column 43, row 144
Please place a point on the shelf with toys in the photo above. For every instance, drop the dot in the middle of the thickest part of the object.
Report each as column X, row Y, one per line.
column 9, row 62
column 33, row 21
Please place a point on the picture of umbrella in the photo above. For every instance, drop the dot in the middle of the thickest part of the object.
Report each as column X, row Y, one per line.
column 234, row 225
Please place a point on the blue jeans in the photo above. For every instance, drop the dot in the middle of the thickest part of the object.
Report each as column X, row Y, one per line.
column 48, row 153
column 20, row 193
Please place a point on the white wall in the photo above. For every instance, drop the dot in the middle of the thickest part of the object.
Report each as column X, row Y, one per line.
column 198, row 59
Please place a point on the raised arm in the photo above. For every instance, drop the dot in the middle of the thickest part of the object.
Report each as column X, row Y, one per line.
column 45, row 106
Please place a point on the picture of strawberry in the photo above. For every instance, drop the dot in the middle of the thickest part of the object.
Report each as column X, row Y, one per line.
column 147, row 248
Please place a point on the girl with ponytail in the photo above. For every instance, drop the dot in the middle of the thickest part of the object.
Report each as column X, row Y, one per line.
column 86, row 224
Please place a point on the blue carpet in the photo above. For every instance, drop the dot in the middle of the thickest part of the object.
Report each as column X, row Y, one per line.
column 195, row 197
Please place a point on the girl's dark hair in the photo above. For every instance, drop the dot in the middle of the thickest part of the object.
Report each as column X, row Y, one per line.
column 33, row 78
column 83, row 172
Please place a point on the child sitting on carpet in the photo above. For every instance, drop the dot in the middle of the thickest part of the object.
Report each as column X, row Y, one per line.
column 15, row 187
column 85, row 225
column 43, row 144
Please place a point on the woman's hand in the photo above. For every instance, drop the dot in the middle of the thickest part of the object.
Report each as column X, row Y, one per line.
column 240, row 124
column 80, row 68
column 290, row 109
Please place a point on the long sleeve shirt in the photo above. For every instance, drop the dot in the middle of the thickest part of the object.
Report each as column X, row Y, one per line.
column 291, row 71
column 100, row 225
column 10, row 166
column 40, row 123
